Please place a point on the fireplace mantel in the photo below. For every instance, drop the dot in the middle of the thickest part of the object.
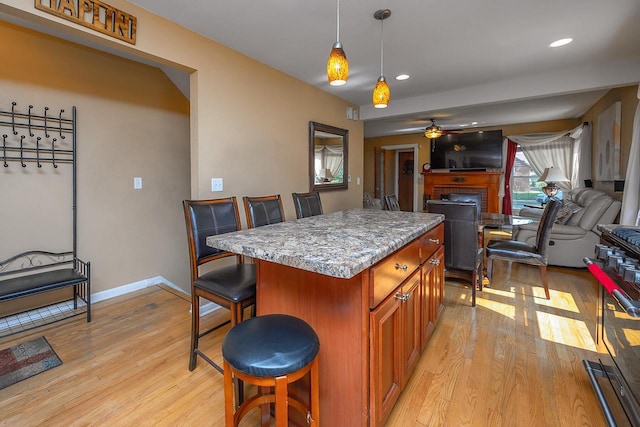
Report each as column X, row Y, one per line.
column 485, row 183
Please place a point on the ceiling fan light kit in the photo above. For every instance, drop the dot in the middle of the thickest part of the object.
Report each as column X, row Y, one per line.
column 381, row 93
column 337, row 64
column 433, row 131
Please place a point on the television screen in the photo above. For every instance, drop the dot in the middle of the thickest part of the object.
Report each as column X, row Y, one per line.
column 474, row 150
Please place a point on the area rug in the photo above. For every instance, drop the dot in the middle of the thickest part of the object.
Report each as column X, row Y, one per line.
column 25, row 360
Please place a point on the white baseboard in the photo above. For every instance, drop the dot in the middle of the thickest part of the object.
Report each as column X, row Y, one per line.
column 136, row 286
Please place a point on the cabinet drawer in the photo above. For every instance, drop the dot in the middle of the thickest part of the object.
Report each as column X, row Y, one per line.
column 389, row 273
column 431, row 241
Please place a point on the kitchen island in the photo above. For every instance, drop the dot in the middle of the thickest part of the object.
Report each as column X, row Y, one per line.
column 369, row 282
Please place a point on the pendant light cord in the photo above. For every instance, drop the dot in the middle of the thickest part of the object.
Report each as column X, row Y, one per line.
column 338, row 20
column 381, row 45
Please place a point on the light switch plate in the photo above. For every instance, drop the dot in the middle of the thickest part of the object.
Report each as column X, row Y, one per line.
column 216, row 184
column 137, row 183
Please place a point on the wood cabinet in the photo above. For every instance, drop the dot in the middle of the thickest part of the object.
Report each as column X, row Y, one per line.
column 403, row 322
column 372, row 327
column 485, row 183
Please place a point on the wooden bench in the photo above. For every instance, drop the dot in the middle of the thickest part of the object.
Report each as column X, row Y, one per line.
column 34, row 272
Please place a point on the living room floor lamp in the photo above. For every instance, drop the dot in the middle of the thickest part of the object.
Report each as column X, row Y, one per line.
column 551, row 176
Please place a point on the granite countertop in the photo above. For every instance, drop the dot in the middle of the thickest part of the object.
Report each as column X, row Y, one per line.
column 339, row 244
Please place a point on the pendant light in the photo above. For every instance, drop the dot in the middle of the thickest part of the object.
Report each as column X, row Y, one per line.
column 337, row 64
column 381, row 92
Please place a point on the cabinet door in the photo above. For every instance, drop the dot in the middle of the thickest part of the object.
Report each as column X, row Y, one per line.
column 386, row 362
column 436, row 279
column 410, row 326
column 427, row 323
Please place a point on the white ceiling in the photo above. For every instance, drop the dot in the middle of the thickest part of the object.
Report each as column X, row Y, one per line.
column 484, row 61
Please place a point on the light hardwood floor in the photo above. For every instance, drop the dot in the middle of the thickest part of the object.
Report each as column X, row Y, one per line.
column 514, row 360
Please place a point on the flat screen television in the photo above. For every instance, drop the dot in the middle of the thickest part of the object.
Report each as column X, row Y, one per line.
column 467, row 151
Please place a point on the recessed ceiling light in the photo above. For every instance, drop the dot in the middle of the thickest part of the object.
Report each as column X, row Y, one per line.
column 474, row 123
column 561, row 42
column 402, row 77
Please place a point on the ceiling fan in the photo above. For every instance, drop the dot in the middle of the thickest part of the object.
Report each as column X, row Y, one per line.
column 434, row 131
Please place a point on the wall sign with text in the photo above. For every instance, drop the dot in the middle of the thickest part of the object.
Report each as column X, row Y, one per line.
column 94, row 14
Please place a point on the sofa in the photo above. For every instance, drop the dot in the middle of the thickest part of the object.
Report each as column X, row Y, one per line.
column 574, row 234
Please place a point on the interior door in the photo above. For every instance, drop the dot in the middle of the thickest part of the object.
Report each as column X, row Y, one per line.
column 405, row 180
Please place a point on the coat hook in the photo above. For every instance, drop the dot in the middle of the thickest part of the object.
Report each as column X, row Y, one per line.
column 4, row 150
column 24, row 165
column 53, row 152
column 30, row 133
column 38, row 151
column 46, row 133
column 60, row 124
column 13, row 118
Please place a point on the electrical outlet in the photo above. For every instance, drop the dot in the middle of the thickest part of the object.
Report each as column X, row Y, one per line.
column 137, row 183
column 216, row 184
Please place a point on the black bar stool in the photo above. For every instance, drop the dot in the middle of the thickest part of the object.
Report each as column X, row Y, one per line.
column 273, row 350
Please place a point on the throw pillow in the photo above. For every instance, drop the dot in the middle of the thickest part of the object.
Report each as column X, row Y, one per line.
column 567, row 209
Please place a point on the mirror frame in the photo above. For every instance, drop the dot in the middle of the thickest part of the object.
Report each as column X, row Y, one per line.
column 344, row 133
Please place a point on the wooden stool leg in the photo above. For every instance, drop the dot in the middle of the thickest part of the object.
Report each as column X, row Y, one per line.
column 282, row 414
column 229, row 407
column 545, row 280
column 265, row 409
column 195, row 329
column 314, row 396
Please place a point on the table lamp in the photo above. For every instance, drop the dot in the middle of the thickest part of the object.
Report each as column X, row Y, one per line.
column 550, row 176
column 325, row 175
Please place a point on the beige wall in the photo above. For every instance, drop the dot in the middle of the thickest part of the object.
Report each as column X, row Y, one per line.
column 131, row 121
column 628, row 96
column 248, row 124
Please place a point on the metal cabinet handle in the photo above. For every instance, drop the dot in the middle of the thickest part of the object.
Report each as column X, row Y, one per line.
column 434, row 261
column 436, row 241
column 401, row 267
column 402, row 297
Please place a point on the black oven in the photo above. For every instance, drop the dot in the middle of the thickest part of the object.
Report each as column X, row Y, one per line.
column 616, row 375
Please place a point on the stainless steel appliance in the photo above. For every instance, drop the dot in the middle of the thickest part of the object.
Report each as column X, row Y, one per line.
column 616, row 375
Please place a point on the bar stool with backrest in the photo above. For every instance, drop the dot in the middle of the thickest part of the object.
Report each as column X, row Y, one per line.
column 271, row 351
column 263, row 210
column 232, row 286
column 467, row 197
column 307, row 204
column 463, row 254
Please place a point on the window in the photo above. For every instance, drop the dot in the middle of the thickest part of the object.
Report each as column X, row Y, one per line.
column 525, row 189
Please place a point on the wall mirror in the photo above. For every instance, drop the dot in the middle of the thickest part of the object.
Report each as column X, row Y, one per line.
column 328, row 157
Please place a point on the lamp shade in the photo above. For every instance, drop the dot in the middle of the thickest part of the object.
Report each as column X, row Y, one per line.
column 325, row 174
column 381, row 93
column 337, row 66
column 552, row 174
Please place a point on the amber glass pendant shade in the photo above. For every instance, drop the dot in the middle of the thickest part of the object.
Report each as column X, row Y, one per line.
column 337, row 66
column 381, row 93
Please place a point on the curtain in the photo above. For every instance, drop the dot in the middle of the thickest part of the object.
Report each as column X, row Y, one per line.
column 558, row 149
column 328, row 157
column 630, row 213
column 512, row 147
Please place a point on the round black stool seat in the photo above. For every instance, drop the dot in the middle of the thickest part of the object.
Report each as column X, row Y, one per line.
column 272, row 345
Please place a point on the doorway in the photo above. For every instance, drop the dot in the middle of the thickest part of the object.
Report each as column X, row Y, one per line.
column 405, row 180
column 390, row 157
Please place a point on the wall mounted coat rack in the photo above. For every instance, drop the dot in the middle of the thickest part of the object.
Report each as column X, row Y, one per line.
column 32, row 137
